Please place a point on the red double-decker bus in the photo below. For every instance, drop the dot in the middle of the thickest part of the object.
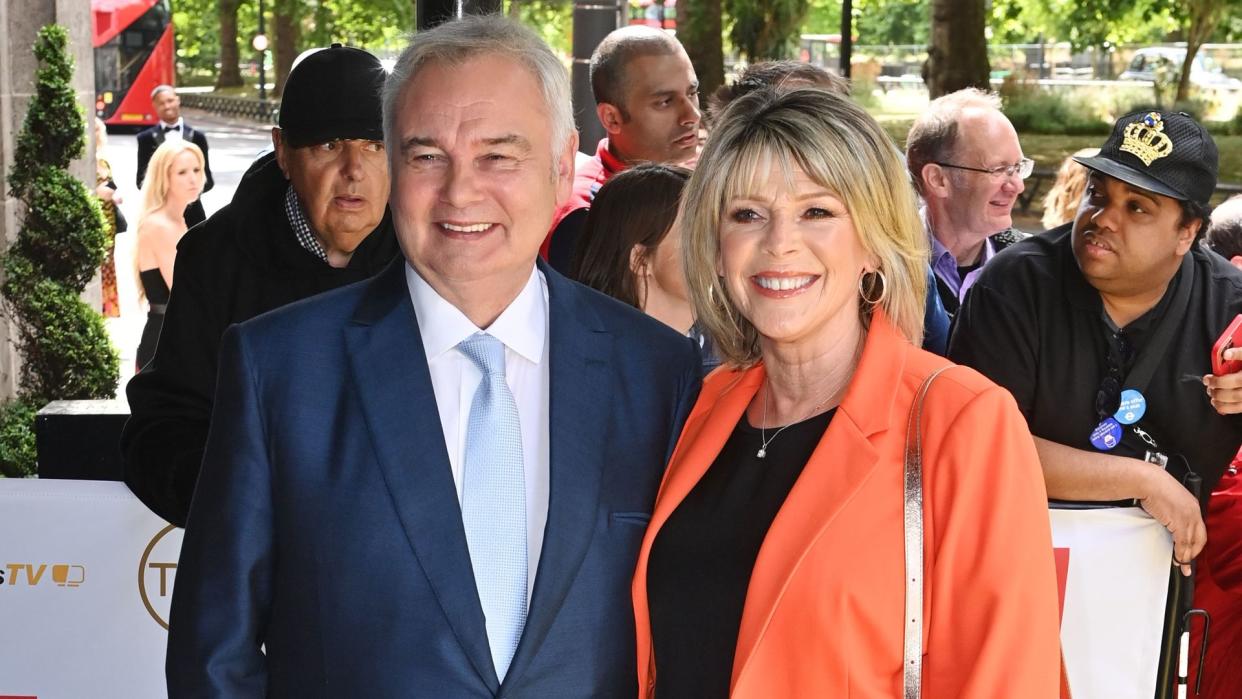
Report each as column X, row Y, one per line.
column 133, row 42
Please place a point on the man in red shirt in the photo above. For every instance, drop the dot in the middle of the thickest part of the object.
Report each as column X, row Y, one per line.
column 647, row 98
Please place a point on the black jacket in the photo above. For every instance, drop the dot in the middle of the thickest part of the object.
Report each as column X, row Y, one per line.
column 152, row 138
column 243, row 261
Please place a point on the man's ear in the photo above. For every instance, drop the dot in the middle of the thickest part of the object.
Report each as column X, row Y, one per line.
column 1186, row 235
column 565, row 169
column 278, row 145
column 934, row 181
column 610, row 116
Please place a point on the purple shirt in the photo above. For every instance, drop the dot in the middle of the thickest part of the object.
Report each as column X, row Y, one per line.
column 945, row 266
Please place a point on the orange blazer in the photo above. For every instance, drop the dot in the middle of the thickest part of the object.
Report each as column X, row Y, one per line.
column 824, row 610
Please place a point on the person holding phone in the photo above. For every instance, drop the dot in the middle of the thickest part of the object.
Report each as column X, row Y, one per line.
column 1103, row 330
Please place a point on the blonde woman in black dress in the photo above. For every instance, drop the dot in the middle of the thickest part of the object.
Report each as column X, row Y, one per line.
column 174, row 179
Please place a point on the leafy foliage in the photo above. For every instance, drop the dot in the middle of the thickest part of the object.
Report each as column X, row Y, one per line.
column 553, row 20
column 17, row 439
column 376, row 25
column 766, row 29
column 1032, row 110
column 52, row 134
column 62, row 241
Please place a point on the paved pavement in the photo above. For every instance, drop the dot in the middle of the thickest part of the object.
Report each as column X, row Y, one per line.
column 234, row 145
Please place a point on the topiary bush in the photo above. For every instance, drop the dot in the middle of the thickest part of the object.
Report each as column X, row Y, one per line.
column 64, row 347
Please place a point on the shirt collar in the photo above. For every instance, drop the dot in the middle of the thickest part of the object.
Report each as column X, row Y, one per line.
column 522, row 327
column 938, row 250
column 612, row 164
column 178, row 124
column 300, row 224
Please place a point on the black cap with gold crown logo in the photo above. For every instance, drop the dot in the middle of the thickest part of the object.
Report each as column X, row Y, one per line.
column 1167, row 153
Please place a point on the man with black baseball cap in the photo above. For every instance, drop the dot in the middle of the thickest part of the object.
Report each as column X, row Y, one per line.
column 310, row 217
column 1103, row 330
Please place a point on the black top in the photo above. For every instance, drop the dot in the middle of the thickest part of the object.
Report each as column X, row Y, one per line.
column 565, row 239
column 154, row 287
column 701, row 561
column 1033, row 324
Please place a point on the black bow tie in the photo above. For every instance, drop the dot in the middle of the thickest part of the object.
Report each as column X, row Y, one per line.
column 171, row 128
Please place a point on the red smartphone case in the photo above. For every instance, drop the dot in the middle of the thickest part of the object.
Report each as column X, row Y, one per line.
column 1232, row 337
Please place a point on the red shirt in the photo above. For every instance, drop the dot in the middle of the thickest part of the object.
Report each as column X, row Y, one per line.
column 590, row 173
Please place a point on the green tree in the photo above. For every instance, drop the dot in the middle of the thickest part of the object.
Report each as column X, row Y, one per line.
column 553, row 20
column 765, row 29
column 700, row 27
column 230, row 59
column 1199, row 22
column 958, row 55
column 892, row 21
column 61, row 242
column 1099, row 22
column 286, row 26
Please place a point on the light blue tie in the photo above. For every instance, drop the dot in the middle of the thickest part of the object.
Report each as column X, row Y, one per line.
column 493, row 501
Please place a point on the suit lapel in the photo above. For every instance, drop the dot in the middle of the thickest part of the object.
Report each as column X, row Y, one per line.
column 841, row 464
column 398, row 404
column 580, row 348
column 700, row 443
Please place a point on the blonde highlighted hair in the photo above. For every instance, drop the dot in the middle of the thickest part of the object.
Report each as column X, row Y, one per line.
column 1061, row 202
column 841, row 148
column 159, row 172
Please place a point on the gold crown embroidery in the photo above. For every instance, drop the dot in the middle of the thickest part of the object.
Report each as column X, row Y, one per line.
column 1146, row 139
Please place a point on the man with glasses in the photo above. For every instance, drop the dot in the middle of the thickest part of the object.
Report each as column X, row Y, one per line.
column 965, row 161
column 1103, row 331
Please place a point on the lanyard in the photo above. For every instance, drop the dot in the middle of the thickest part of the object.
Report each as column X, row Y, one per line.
column 1108, row 433
column 1140, row 374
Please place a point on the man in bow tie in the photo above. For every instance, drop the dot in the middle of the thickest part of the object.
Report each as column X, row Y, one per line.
column 167, row 106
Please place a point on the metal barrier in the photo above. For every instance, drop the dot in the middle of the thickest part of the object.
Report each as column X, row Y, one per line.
column 246, row 108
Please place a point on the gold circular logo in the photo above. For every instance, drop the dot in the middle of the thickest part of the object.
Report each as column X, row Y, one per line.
column 156, row 570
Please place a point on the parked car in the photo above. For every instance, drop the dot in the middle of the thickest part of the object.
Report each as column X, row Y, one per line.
column 1147, row 62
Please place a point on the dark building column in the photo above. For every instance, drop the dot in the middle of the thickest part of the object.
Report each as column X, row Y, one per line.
column 593, row 20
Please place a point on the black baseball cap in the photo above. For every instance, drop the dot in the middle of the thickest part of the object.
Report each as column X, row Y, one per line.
column 1167, row 153
column 331, row 94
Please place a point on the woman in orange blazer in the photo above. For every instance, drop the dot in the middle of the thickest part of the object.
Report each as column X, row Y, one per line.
column 774, row 562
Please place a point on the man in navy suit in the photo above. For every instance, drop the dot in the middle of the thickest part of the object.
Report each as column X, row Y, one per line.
column 167, row 106
column 434, row 483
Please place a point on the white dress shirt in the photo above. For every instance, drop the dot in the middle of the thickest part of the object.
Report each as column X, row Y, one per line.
column 523, row 329
column 177, row 133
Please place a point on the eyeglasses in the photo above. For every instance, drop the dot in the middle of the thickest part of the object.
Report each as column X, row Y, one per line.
column 1022, row 169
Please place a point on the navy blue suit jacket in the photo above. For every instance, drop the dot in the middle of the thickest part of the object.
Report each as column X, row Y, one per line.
column 326, row 525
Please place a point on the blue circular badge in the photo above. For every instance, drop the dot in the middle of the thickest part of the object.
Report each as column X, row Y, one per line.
column 1133, row 407
column 1106, row 435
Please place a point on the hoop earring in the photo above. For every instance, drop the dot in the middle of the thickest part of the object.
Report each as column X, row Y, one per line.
column 863, row 286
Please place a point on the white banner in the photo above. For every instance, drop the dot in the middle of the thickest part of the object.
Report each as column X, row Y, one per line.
column 1113, row 569
column 86, row 573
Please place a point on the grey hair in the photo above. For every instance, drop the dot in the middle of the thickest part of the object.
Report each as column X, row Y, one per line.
column 934, row 134
column 471, row 36
column 162, row 88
